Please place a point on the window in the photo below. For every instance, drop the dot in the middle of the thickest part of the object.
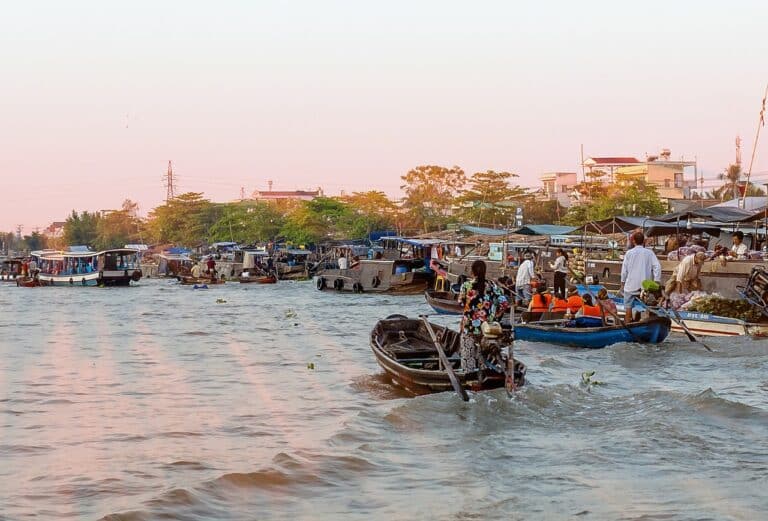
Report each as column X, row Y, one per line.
column 678, row 179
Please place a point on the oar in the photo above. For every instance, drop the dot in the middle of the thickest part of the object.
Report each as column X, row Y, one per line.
column 675, row 316
column 687, row 331
column 614, row 315
column 444, row 360
column 509, row 378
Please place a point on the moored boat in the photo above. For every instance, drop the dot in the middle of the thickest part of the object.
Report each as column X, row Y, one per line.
column 10, row 270
column 82, row 267
column 376, row 276
column 651, row 331
column 259, row 279
column 199, row 281
column 443, row 302
column 404, row 349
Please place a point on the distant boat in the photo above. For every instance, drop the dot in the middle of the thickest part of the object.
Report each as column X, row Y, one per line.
column 258, row 279
column 82, row 267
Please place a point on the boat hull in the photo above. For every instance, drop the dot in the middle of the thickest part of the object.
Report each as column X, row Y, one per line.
column 443, row 302
column 652, row 331
column 420, row 380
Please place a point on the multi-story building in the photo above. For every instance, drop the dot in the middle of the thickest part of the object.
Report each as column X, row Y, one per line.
column 293, row 195
column 558, row 186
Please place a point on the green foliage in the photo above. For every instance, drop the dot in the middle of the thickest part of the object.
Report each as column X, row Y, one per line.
column 490, row 199
column 429, row 193
column 247, row 222
column 316, row 220
column 370, row 211
column 542, row 212
column 184, row 220
column 630, row 198
column 81, row 229
column 33, row 242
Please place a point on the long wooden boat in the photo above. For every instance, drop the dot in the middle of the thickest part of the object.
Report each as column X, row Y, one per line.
column 443, row 302
column 82, row 267
column 199, row 281
column 27, row 282
column 403, row 348
column 261, row 279
column 651, row 331
column 376, row 276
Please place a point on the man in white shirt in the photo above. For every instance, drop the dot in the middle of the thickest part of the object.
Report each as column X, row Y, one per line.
column 739, row 249
column 640, row 263
column 343, row 263
column 523, row 280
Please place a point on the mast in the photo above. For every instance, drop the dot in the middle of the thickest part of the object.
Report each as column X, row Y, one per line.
column 760, row 124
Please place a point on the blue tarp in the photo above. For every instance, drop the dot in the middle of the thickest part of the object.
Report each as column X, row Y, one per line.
column 177, row 251
column 480, row 230
column 545, row 229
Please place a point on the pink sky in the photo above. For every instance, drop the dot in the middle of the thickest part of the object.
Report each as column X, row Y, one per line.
column 97, row 98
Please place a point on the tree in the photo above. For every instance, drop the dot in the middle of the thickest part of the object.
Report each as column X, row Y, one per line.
column 429, row 193
column 313, row 221
column 730, row 190
column 634, row 197
column 33, row 242
column 246, row 222
column 370, row 211
column 490, row 199
column 183, row 220
column 81, row 229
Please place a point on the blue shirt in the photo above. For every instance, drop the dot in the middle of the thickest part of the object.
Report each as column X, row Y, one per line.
column 639, row 264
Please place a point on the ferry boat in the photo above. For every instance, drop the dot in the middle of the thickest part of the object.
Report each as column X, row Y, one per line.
column 83, row 267
column 10, row 270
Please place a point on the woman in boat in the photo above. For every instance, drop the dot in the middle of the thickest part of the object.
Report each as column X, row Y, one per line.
column 559, row 303
column 482, row 301
column 541, row 301
column 605, row 301
column 574, row 300
column 561, row 270
column 589, row 309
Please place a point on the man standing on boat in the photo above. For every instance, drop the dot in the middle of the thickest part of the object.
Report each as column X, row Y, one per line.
column 525, row 274
column 640, row 263
column 739, row 249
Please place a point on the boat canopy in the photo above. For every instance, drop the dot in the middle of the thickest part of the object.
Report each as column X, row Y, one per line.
column 726, row 214
column 481, row 230
column 650, row 227
column 545, row 229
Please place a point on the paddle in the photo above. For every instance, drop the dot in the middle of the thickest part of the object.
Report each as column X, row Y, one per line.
column 679, row 321
column 444, row 360
column 614, row 315
column 509, row 378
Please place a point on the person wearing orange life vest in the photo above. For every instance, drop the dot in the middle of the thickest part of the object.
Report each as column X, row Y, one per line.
column 541, row 300
column 559, row 303
column 588, row 309
column 574, row 300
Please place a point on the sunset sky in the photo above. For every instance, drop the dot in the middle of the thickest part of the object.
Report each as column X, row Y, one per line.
column 98, row 96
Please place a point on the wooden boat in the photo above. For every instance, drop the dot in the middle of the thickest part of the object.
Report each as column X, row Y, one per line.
column 651, row 331
column 403, row 348
column 80, row 266
column 443, row 302
column 27, row 282
column 258, row 279
column 199, row 281
column 10, row 270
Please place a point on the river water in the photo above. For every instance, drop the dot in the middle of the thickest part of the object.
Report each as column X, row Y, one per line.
column 161, row 401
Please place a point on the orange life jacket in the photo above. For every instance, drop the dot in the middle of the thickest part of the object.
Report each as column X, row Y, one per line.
column 591, row 311
column 560, row 305
column 574, row 303
column 540, row 302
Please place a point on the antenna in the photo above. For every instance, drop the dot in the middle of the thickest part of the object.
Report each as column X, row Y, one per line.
column 170, row 185
column 738, row 150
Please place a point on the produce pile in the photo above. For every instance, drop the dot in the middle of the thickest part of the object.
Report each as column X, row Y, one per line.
column 724, row 307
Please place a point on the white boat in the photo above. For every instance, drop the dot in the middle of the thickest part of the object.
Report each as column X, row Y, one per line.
column 83, row 267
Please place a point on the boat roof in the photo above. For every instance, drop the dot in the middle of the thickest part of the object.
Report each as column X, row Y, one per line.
column 650, row 227
column 545, row 229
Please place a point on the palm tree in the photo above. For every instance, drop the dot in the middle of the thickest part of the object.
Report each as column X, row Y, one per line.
column 731, row 176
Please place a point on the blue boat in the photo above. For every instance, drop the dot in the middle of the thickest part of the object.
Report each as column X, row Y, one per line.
column 651, row 331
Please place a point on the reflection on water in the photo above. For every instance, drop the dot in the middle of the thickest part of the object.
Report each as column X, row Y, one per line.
column 158, row 402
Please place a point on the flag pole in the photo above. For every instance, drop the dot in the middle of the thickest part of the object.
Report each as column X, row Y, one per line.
column 760, row 124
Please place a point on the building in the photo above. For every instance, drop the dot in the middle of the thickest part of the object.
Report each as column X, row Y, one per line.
column 667, row 175
column 55, row 230
column 559, row 186
column 290, row 195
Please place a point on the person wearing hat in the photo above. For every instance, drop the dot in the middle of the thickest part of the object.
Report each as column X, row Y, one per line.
column 685, row 277
column 525, row 274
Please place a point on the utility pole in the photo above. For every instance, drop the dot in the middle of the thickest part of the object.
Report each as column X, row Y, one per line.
column 170, row 184
column 242, row 193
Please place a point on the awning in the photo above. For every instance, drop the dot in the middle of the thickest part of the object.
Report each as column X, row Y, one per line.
column 650, row 227
column 545, row 229
column 726, row 214
column 480, row 230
